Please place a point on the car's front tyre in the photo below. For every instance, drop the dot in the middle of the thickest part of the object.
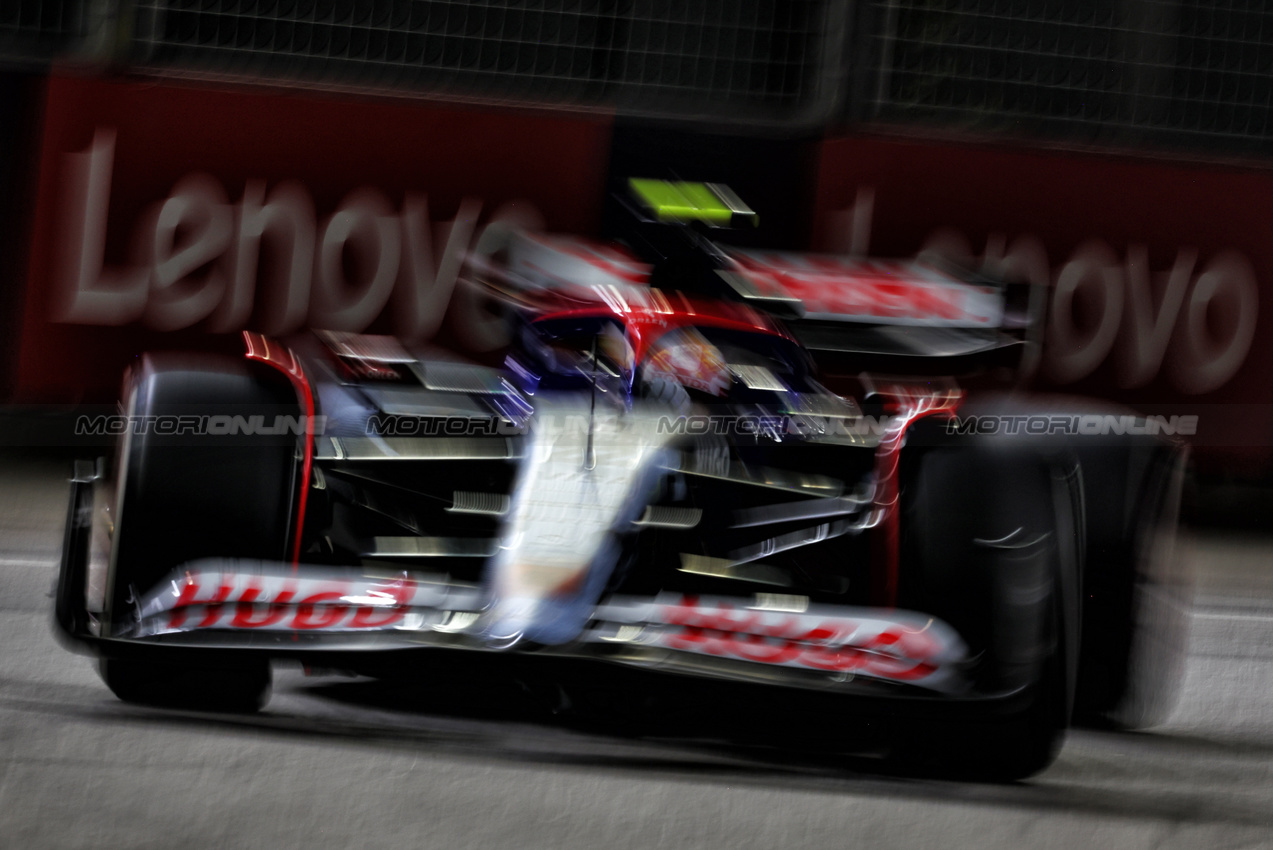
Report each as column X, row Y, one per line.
column 194, row 492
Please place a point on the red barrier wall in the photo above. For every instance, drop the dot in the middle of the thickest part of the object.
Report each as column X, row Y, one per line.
column 1159, row 272
column 171, row 215
column 165, row 208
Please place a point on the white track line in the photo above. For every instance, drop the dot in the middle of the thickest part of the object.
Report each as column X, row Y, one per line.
column 1254, row 618
column 27, row 562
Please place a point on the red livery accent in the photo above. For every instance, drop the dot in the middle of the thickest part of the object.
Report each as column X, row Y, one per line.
column 215, row 606
column 896, row 654
column 188, row 592
column 244, row 612
column 909, row 407
column 282, row 358
column 378, row 618
column 326, row 616
column 199, row 600
column 871, row 290
column 648, row 314
column 315, row 612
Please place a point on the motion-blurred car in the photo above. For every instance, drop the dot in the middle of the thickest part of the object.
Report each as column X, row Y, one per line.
column 658, row 478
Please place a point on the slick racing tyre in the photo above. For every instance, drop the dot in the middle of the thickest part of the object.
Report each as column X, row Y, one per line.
column 1137, row 585
column 990, row 546
column 240, row 687
column 186, row 496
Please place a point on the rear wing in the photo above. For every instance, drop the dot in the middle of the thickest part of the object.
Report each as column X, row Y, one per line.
column 844, row 289
column 853, row 314
column 901, row 315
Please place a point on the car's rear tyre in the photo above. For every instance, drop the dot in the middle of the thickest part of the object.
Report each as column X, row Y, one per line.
column 188, row 495
column 1137, row 587
column 990, row 541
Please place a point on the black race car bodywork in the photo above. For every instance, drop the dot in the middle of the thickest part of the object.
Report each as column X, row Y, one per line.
column 658, row 480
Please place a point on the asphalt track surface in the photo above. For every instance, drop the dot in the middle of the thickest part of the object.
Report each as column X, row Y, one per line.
column 340, row 763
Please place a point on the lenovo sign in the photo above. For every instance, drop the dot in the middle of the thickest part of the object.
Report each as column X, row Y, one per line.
column 1075, row 233
column 197, row 257
column 1156, row 273
column 168, row 216
column 166, row 208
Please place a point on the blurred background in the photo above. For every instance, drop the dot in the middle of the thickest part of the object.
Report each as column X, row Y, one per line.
column 1116, row 153
column 171, row 172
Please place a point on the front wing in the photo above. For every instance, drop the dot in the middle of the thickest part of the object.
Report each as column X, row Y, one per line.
column 284, row 609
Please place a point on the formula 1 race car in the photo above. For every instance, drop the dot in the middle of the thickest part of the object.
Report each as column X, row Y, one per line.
column 659, row 478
